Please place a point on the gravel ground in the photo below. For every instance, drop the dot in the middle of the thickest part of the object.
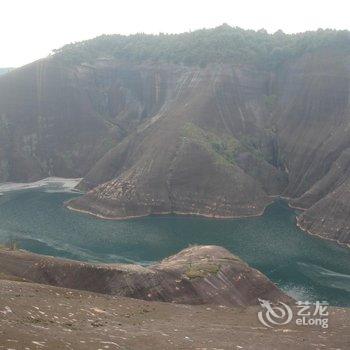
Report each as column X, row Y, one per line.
column 34, row 316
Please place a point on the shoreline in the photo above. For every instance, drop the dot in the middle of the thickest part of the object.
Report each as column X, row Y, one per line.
column 60, row 183
column 41, row 183
column 176, row 213
column 298, row 224
column 288, row 199
column 215, row 217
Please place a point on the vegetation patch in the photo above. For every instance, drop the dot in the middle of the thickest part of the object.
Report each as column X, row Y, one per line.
column 202, row 270
column 250, row 144
column 224, row 148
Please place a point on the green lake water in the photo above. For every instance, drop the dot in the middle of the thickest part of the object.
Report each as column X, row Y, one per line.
column 304, row 266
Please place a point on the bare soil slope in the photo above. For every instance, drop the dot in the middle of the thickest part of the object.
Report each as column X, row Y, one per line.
column 36, row 317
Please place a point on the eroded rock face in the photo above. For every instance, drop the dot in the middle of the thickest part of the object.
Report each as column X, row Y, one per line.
column 330, row 216
column 219, row 149
column 196, row 275
column 196, row 155
column 315, row 140
column 60, row 120
column 218, row 141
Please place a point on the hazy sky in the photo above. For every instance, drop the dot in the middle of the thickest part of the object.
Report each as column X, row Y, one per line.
column 30, row 29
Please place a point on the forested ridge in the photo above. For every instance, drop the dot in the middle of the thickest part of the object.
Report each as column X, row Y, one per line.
column 224, row 44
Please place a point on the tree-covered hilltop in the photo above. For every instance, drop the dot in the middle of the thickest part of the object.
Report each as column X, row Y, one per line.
column 221, row 44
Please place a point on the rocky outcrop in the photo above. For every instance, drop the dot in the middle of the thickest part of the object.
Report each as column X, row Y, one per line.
column 314, row 138
column 299, row 150
column 330, row 216
column 176, row 161
column 196, row 275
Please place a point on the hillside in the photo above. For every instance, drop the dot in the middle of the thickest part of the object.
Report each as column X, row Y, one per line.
column 214, row 122
column 202, row 295
column 39, row 316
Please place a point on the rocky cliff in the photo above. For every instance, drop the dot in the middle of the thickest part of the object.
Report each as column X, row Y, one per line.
column 151, row 131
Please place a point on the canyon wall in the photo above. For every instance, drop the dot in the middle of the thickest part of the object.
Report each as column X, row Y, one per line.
column 219, row 140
